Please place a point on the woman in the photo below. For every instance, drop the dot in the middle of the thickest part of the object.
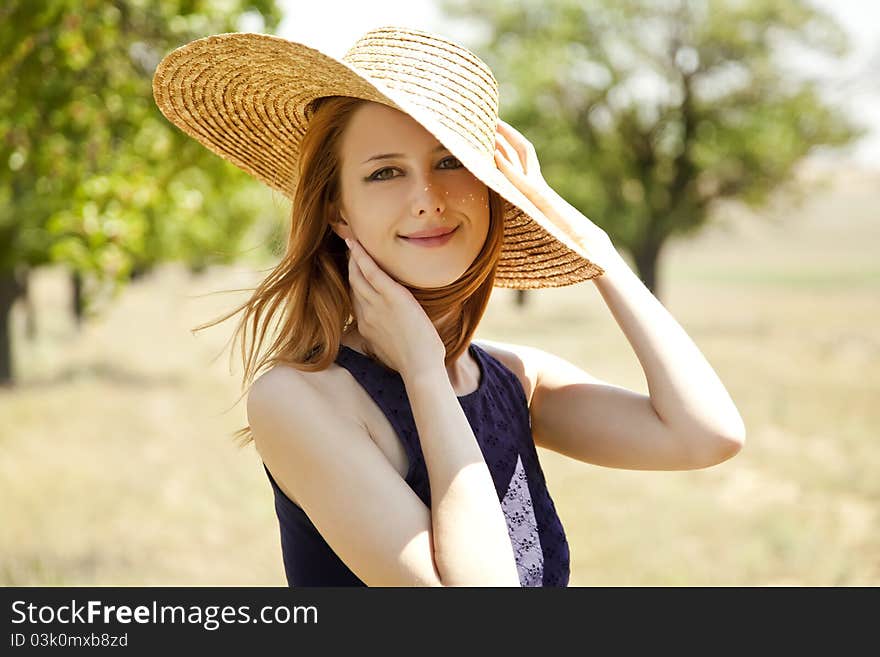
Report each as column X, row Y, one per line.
column 401, row 452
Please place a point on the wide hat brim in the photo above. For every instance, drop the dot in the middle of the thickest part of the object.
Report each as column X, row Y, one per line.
column 245, row 97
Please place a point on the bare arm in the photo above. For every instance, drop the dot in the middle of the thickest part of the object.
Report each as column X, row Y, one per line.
column 685, row 392
column 688, row 421
column 471, row 542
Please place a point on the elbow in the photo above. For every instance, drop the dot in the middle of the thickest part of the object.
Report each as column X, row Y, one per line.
column 728, row 447
column 714, row 448
column 725, row 446
column 733, row 441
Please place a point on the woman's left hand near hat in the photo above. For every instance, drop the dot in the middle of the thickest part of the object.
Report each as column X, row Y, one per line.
column 517, row 159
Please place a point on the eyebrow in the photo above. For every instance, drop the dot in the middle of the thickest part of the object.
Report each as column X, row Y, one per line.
column 388, row 156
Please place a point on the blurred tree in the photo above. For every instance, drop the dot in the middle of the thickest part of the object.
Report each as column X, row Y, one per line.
column 645, row 112
column 91, row 174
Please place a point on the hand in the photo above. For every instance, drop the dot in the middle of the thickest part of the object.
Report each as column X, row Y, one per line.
column 518, row 161
column 390, row 319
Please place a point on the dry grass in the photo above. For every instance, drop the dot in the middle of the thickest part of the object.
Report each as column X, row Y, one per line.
column 118, row 468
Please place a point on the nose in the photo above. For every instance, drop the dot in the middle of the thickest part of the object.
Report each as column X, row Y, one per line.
column 428, row 200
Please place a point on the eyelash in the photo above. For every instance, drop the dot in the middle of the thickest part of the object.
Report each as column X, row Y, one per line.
column 373, row 178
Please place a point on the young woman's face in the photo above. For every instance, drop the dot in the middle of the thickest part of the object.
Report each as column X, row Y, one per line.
column 420, row 187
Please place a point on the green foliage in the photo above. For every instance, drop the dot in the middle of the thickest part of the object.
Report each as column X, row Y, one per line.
column 91, row 173
column 645, row 112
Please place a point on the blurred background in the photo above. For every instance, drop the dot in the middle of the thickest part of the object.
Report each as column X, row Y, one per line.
column 731, row 149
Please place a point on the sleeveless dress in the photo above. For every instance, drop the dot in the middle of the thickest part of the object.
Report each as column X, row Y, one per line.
column 499, row 417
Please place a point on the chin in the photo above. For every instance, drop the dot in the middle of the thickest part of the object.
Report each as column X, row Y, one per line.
column 433, row 280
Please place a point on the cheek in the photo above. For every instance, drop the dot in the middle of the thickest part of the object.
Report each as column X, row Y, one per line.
column 470, row 194
column 473, row 200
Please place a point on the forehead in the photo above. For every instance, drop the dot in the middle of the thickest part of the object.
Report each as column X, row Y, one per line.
column 375, row 128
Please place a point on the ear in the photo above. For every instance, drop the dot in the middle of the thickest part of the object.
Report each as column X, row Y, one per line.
column 338, row 224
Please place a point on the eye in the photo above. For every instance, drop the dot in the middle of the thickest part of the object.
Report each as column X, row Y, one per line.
column 453, row 159
column 379, row 175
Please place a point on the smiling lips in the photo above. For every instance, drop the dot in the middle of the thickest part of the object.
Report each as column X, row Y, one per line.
column 431, row 236
column 431, row 232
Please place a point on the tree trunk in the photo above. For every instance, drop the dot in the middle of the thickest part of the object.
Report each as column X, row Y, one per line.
column 647, row 259
column 139, row 271
column 30, row 313
column 76, row 283
column 9, row 291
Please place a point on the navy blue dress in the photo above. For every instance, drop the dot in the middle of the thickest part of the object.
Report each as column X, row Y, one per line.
column 499, row 416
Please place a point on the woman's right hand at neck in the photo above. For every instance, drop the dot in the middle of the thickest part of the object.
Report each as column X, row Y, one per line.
column 389, row 318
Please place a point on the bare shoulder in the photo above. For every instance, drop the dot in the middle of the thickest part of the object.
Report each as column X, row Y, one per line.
column 522, row 360
column 284, row 402
column 284, row 382
column 280, row 382
column 331, row 380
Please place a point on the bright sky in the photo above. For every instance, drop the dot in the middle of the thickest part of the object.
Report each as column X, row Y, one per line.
column 334, row 25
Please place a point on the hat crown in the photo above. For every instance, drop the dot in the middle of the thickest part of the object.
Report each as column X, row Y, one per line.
column 439, row 76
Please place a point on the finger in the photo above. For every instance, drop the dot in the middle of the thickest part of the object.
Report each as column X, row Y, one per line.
column 505, row 164
column 523, row 146
column 371, row 272
column 503, row 152
column 505, row 127
column 360, row 285
column 515, row 154
column 501, row 160
column 357, row 309
column 522, row 181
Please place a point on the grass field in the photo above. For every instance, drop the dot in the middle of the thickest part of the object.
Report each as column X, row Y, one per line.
column 118, row 467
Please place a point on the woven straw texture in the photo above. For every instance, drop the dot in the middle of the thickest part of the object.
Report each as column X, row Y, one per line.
column 246, row 98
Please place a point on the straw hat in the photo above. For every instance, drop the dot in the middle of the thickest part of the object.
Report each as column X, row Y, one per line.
column 246, row 98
